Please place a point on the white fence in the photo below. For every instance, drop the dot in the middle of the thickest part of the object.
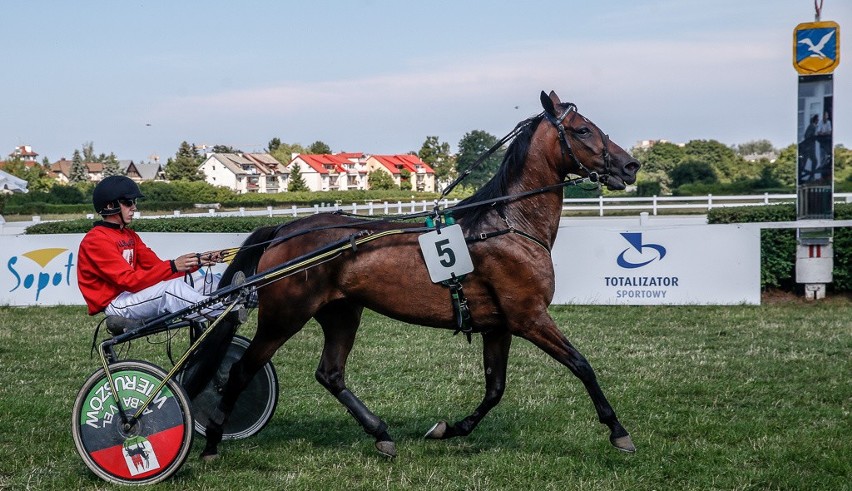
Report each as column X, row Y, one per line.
column 654, row 205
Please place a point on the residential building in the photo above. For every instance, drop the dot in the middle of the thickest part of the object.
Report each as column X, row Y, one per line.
column 25, row 153
column 404, row 168
column 331, row 172
column 245, row 173
column 142, row 171
column 61, row 170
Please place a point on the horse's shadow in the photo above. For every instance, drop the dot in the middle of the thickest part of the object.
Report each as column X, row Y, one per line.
column 340, row 433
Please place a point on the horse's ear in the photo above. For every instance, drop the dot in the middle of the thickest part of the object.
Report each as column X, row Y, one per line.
column 555, row 98
column 547, row 103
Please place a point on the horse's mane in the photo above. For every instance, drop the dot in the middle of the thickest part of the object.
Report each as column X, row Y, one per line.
column 510, row 168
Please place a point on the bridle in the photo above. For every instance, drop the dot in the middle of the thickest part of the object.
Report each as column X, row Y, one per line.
column 565, row 144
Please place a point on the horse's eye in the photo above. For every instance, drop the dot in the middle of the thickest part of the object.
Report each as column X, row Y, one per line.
column 583, row 131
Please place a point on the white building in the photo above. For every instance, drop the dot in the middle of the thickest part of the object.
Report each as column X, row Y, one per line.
column 245, row 173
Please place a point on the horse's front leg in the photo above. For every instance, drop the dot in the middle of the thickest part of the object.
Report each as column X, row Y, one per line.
column 544, row 334
column 495, row 354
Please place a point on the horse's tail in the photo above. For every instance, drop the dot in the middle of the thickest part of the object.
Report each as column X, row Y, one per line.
column 248, row 255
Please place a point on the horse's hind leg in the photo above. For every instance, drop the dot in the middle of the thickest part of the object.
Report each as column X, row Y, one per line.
column 339, row 322
column 544, row 334
column 495, row 354
column 265, row 343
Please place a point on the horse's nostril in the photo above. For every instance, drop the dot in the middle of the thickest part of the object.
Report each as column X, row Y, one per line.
column 632, row 166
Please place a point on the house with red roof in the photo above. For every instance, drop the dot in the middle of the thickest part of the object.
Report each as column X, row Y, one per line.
column 408, row 171
column 331, row 172
column 25, row 153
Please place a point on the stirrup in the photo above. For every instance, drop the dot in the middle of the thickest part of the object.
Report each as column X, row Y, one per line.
column 117, row 324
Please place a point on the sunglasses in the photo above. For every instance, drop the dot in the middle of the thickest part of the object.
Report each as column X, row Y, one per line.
column 128, row 202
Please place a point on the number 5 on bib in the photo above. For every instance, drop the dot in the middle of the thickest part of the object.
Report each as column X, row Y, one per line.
column 445, row 253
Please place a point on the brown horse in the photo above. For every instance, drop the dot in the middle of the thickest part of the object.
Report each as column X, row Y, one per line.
column 508, row 292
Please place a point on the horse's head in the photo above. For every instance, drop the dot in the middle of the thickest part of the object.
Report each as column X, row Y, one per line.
column 586, row 150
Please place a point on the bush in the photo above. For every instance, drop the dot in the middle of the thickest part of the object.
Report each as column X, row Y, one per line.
column 177, row 224
column 41, row 208
column 693, row 171
column 184, row 191
column 649, row 189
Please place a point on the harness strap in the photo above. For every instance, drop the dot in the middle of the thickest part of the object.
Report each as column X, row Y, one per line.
column 487, row 235
column 460, row 307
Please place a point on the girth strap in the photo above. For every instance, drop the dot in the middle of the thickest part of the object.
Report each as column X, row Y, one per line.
column 460, row 307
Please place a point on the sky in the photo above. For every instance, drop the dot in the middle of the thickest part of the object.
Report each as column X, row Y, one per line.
column 138, row 77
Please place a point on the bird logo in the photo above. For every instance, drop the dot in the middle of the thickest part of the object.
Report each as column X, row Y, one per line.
column 816, row 47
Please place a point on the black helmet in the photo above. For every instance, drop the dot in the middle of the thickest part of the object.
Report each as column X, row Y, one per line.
column 110, row 190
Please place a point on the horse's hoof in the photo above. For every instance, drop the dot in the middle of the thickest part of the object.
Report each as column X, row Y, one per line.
column 437, row 431
column 623, row 443
column 209, row 457
column 386, row 448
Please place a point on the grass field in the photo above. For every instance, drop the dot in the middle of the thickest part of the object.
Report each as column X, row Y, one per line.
column 745, row 397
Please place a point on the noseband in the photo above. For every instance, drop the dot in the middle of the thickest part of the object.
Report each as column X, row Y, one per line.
column 565, row 144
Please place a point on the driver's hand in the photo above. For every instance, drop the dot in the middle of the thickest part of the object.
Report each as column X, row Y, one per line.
column 187, row 262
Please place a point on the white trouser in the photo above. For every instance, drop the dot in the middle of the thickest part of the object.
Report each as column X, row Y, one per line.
column 166, row 296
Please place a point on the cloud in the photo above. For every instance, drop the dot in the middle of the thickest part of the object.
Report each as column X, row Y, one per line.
column 634, row 88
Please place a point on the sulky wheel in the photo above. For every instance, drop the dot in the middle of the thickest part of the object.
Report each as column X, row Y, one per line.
column 255, row 405
column 146, row 452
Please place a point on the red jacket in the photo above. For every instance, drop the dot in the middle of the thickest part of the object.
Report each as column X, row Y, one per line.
column 113, row 260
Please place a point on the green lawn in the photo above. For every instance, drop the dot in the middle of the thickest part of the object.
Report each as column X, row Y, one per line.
column 737, row 397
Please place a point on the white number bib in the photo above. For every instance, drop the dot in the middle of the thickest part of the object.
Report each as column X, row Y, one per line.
column 445, row 253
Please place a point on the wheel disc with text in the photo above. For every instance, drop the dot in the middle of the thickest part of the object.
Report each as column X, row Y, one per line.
column 150, row 450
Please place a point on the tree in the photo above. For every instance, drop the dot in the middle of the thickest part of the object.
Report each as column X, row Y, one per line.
column 224, row 149
column 79, row 172
column 660, row 157
column 405, row 181
column 692, row 171
column 111, row 166
column 273, row 145
column 842, row 163
column 767, row 179
column 471, row 146
column 319, row 147
column 297, row 182
column 284, row 151
column 728, row 165
column 755, row 147
column 185, row 165
column 379, row 179
column 437, row 155
column 89, row 152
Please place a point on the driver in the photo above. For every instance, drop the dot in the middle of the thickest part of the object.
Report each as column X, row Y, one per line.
column 119, row 275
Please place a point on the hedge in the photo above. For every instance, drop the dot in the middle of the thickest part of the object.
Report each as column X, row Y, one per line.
column 778, row 246
column 175, row 225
